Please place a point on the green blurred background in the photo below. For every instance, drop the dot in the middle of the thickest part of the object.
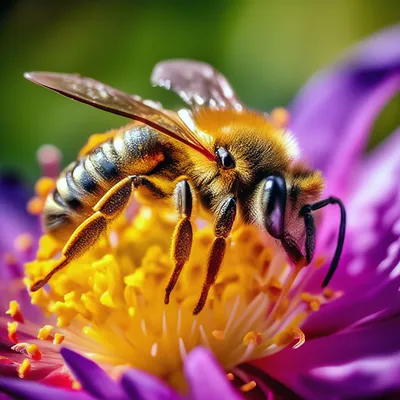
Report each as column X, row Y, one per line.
column 266, row 48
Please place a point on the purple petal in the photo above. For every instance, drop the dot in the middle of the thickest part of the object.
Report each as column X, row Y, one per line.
column 14, row 220
column 369, row 299
column 206, row 378
column 92, row 378
column 142, row 386
column 25, row 390
column 359, row 363
column 373, row 208
column 333, row 114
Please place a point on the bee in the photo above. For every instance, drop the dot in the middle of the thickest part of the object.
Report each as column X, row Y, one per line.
column 232, row 162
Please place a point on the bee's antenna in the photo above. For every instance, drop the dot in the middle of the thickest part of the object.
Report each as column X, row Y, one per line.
column 342, row 231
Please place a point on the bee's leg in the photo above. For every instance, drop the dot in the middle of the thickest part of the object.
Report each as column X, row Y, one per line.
column 223, row 225
column 292, row 248
column 183, row 235
column 109, row 207
column 305, row 212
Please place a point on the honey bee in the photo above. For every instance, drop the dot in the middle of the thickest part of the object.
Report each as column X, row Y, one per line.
column 230, row 163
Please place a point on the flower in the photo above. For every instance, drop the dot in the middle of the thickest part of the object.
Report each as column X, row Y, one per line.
column 264, row 322
column 134, row 384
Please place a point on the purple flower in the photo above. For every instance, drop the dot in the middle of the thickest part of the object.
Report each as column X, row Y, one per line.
column 341, row 343
column 206, row 379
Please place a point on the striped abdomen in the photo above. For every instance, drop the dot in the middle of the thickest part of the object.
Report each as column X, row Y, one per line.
column 135, row 149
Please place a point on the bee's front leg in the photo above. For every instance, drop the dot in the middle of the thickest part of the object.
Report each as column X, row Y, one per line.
column 183, row 235
column 225, row 218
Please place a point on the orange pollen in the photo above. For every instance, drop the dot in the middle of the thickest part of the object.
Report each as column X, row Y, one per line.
column 252, row 337
column 23, row 242
column 44, row 332
column 230, row 376
column 328, row 293
column 248, row 386
column 12, row 331
column 15, row 312
column 220, row 335
column 58, row 338
column 35, row 206
column 312, row 301
column 44, row 186
column 319, row 261
column 280, row 117
column 24, row 369
column 76, row 385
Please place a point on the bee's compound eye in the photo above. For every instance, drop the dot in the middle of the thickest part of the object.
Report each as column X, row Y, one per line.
column 225, row 158
column 273, row 203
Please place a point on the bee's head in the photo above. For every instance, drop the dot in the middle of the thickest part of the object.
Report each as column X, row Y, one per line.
column 278, row 198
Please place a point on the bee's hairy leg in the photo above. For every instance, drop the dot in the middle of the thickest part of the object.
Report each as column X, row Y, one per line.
column 109, row 207
column 223, row 225
column 183, row 235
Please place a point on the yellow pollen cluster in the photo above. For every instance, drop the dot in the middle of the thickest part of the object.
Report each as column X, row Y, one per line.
column 112, row 299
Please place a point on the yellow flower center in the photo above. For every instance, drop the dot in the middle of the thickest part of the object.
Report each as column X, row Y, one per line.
column 112, row 299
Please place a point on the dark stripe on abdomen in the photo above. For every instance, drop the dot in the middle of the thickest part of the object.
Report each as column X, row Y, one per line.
column 103, row 166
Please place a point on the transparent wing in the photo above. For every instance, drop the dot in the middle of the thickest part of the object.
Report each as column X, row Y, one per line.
column 99, row 95
column 197, row 83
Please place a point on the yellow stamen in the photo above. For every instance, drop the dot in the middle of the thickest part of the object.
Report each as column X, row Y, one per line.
column 76, row 385
column 299, row 335
column 12, row 331
column 58, row 338
column 44, row 332
column 280, row 117
column 35, row 206
column 287, row 336
column 44, row 186
column 34, row 352
column 112, row 298
column 252, row 337
column 230, row 376
column 15, row 311
column 312, row 301
column 24, row 369
column 248, row 386
column 220, row 335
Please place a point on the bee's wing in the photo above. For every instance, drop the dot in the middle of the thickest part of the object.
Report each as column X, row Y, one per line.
column 99, row 95
column 197, row 83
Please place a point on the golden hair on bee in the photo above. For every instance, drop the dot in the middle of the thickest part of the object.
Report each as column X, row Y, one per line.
column 235, row 164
